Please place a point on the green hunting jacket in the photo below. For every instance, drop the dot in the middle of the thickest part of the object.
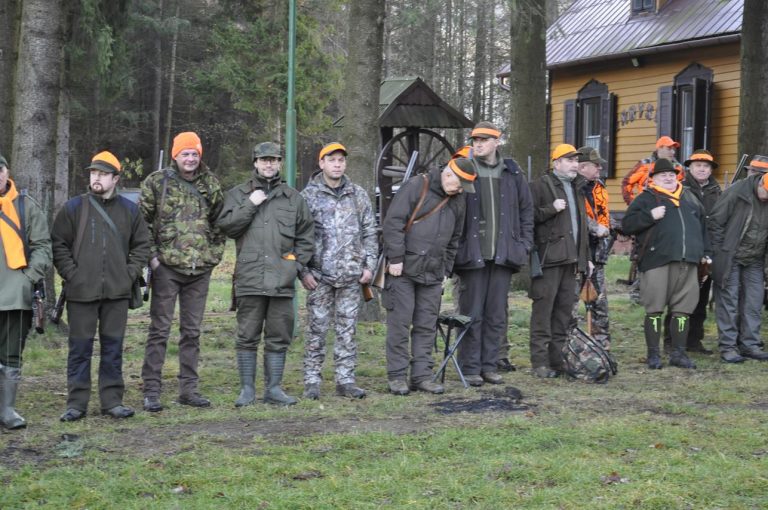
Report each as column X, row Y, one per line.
column 16, row 288
column 184, row 235
column 274, row 240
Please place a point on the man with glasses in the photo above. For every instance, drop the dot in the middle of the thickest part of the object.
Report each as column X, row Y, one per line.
column 274, row 233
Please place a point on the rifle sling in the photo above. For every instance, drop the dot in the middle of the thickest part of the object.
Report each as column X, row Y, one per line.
column 419, row 204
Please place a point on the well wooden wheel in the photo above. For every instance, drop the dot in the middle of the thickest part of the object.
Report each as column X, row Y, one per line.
column 434, row 150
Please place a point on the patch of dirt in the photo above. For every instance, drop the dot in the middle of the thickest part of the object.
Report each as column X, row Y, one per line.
column 507, row 400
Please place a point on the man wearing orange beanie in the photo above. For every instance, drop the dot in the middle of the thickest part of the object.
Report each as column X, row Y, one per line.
column 180, row 204
column 25, row 256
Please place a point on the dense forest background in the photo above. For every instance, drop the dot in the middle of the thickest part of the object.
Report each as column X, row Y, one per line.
column 132, row 73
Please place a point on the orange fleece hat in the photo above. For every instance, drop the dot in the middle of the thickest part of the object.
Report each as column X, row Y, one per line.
column 186, row 140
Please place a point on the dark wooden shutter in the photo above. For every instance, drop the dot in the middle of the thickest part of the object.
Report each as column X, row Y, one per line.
column 569, row 122
column 665, row 112
column 608, row 133
column 702, row 108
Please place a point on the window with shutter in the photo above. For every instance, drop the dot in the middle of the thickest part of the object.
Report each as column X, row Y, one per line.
column 590, row 120
column 692, row 100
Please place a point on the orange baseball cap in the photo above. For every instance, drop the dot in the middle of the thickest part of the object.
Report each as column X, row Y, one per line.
column 564, row 150
column 331, row 148
column 666, row 141
column 105, row 162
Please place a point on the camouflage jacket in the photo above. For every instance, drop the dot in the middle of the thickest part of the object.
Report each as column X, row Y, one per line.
column 345, row 231
column 183, row 234
column 274, row 239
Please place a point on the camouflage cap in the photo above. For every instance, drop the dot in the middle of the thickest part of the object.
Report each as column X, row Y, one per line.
column 591, row 155
column 267, row 150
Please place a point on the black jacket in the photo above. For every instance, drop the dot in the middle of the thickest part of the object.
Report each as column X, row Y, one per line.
column 427, row 250
column 515, row 224
column 707, row 194
column 680, row 236
column 101, row 269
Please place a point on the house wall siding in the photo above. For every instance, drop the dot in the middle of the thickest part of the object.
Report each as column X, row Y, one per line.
column 635, row 140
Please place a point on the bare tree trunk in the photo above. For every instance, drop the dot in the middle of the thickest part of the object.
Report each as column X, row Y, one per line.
column 171, row 84
column 527, row 131
column 492, row 66
column 157, row 93
column 8, row 20
column 360, row 107
column 753, row 110
column 37, row 99
column 479, row 71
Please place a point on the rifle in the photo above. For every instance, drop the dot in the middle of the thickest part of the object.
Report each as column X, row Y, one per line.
column 148, row 286
column 58, row 308
column 367, row 291
column 38, row 306
column 740, row 172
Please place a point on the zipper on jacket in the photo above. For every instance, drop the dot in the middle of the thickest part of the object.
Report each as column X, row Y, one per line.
column 493, row 219
column 682, row 220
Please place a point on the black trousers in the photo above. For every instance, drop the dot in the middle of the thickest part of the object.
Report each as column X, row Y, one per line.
column 111, row 317
column 14, row 328
column 483, row 296
column 553, row 295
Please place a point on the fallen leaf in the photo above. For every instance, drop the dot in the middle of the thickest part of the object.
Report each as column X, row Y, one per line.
column 613, row 478
column 658, row 446
column 308, row 475
column 181, row 489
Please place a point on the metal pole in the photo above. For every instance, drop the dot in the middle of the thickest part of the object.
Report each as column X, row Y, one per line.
column 290, row 113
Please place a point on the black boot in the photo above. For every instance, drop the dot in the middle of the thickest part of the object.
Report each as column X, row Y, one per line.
column 679, row 326
column 246, row 366
column 274, row 365
column 695, row 336
column 652, row 328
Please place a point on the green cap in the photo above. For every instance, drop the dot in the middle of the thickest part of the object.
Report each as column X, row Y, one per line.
column 267, row 150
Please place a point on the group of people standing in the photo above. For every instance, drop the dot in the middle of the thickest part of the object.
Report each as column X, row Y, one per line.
column 476, row 218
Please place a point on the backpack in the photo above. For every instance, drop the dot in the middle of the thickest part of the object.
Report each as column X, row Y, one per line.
column 586, row 359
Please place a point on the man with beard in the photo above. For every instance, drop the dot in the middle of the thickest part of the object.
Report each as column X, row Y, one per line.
column 274, row 233
column 25, row 256
column 561, row 237
column 100, row 246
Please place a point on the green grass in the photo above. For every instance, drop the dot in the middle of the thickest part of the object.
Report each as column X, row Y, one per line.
column 648, row 439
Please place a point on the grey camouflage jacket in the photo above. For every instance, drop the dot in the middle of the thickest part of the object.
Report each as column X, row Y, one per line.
column 345, row 231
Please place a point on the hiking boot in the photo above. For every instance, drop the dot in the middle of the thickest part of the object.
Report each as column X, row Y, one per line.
column 428, row 386
column 505, row 366
column 544, row 373
column 118, row 412
column 398, row 387
column 732, row 357
column 194, row 401
column 312, row 391
column 698, row 347
column 492, row 377
column 654, row 361
column 72, row 415
column 349, row 390
column 755, row 353
column 681, row 360
column 474, row 380
column 152, row 404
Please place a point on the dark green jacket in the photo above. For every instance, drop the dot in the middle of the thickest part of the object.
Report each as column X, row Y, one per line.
column 275, row 240
column 728, row 223
column 553, row 232
column 680, row 236
column 100, row 269
column 707, row 194
column 16, row 287
column 183, row 234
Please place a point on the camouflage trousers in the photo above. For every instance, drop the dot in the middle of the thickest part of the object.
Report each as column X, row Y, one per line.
column 599, row 308
column 340, row 306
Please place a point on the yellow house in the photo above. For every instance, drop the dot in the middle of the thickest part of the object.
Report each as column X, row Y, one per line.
column 624, row 72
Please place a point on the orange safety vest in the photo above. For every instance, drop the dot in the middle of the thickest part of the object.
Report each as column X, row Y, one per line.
column 638, row 179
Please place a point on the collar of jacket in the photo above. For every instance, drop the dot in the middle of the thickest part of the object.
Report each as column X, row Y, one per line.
column 102, row 200
column 499, row 161
column 690, row 181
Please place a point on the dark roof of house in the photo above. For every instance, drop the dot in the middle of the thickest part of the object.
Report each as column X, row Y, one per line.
column 409, row 102
column 592, row 30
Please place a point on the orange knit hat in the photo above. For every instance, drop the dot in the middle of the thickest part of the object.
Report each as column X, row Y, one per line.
column 186, row 140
